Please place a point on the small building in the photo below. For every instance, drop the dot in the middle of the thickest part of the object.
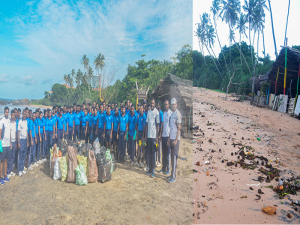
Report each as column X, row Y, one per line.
column 174, row 87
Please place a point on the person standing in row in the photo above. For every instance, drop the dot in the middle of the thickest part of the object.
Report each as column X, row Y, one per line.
column 101, row 125
column 5, row 142
column 95, row 127
column 11, row 156
column 132, row 124
column 84, row 124
column 60, row 126
column 165, row 126
column 158, row 158
column 51, row 132
column 77, row 118
column 108, row 128
column 152, row 136
column 141, row 134
column 116, row 119
column 23, row 143
column 122, row 132
column 70, row 124
column 174, row 138
column 42, row 137
column 90, row 137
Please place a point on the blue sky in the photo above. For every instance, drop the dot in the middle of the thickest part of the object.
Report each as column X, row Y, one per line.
column 40, row 41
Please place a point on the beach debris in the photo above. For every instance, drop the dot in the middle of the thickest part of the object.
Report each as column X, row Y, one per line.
column 207, row 163
column 260, row 192
column 251, row 188
column 254, row 184
column 258, row 198
column 270, row 210
column 198, row 163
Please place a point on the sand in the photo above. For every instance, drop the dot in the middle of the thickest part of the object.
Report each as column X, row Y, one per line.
column 219, row 197
column 130, row 197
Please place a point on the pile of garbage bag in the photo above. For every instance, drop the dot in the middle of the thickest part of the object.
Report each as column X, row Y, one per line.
column 81, row 163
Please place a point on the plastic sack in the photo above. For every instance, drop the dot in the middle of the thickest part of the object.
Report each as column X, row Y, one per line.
column 92, row 173
column 57, row 171
column 81, row 178
column 83, row 161
column 134, row 137
column 63, row 164
column 104, row 168
column 113, row 162
column 72, row 157
column 96, row 146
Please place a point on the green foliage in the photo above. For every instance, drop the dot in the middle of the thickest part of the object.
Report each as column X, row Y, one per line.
column 147, row 74
column 206, row 75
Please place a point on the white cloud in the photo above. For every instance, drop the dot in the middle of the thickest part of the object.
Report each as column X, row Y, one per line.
column 4, row 78
column 28, row 80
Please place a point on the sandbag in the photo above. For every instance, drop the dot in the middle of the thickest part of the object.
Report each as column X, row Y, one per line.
column 82, row 160
column 63, row 163
column 57, row 171
column 92, row 168
column 72, row 157
column 81, row 178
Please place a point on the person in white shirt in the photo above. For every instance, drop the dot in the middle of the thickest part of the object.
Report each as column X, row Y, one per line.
column 5, row 144
column 174, row 138
column 152, row 136
column 23, row 143
column 165, row 126
column 13, row 132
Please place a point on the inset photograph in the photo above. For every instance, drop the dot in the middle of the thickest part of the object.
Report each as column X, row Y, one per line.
column 246, row 71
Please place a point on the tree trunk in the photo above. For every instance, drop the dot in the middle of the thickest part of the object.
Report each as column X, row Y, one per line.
column 243, row 56
column 273, row 29
column 257, row 43
column 215, row 55
column 240, row 47
column 250, row 38
column 229, row 83
column 201, row 49
column 287, row 21
column 214, row 61
column 220, row 45
column 263, row 35
column 253, row 55
column 252, row 90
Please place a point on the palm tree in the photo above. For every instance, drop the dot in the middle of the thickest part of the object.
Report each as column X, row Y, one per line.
column 99, row 64
column 262, row 4
column 210, row 34
column 273, row 28
column 241, row 27
column 229, row 14
column 249, row 8
column 90, row 74
column 78, row 79
column 215, row 9
column 85, row 62
column 287, row 20
column 66, row 79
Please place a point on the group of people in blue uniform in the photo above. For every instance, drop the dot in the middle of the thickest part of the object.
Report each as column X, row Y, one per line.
column 146, row 133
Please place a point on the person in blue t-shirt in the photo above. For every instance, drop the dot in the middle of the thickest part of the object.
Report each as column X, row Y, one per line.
column 36, row 125
column 90, row 119
column 77, row 118
column 84, row 124
column 108, row 127
column 132, row 127
column 70, row 124
column 41, row 138
column 51, row 131
column 140, row 135
column 33, row 142
column 122, row 132
column 101, row 125
column 65, row 116
column 95, row 122
column 161, row 116
column 116, row 117
column 60, row 126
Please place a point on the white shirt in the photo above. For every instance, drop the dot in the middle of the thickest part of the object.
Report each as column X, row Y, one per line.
column 152, row 116
column 166, row 126
column 22, row 128
column 5, row 126
column 174, row 120
column 13, row 130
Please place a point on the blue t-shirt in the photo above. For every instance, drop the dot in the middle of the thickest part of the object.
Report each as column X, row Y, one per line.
column 84, row 120
column 108, row 121
column 51, row 123
column 132, row 120
column 116, row 122
column 70, row 120
column 161, row 117
column 77, row 117
column 65, row 120
column 60, row 123
column 32, row 128
column 28, row 124
column 101, row 120
column 91, row 120
column 123, row 121
column 46, row 123
column 82, row 114
column 95, row 119
column 41, row 124
column 36, row 124
column 141, row 122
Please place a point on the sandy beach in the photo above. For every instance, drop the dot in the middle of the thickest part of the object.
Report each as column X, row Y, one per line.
column 130, row 197
column 222, row 193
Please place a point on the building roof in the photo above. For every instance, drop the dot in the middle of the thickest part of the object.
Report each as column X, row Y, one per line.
column 172, row 86
column 293, row 60
column 67, row 86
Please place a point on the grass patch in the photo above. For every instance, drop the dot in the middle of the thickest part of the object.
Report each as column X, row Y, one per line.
column 216, row 90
